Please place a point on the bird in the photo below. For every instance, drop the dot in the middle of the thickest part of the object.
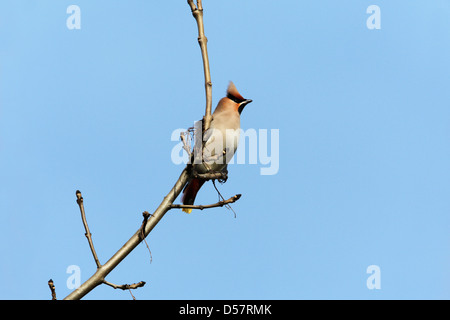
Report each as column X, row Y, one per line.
column 221, row 141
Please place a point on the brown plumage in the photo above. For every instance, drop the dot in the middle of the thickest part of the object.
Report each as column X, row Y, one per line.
column 221, row 139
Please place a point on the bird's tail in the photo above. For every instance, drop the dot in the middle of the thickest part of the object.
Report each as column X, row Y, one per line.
column 190, row 192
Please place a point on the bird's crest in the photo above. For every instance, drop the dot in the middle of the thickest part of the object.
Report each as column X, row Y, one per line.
column 233, row 94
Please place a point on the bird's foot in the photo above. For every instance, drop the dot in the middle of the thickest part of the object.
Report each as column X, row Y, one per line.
column 221, row 176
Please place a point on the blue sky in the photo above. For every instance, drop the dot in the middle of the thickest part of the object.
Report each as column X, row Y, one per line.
column 363, row 119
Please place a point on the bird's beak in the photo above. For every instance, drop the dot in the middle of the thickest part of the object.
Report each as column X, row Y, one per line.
column 243, row 104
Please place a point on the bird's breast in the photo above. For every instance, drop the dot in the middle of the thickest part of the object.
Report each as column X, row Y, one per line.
column 222, row 140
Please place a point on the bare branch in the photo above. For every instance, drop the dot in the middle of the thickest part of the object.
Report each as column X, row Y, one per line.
column 125, row 286
column 197, row 12
column 200, row 207
column 99, row 276
column 52, row 288
column 86, row 227
column 186, row 142
column 192, row 5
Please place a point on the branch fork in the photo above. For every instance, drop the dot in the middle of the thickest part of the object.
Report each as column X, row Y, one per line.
column 99, row 276
column 167, row 203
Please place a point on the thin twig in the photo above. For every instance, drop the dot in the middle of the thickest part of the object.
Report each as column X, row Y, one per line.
column 201, row 207
column 146, row 215
column 86, row 227
column 52, row 288
column 197, row 12
column 186, row 144
column 192, row 5
column 99, row 276
column 126, row 286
